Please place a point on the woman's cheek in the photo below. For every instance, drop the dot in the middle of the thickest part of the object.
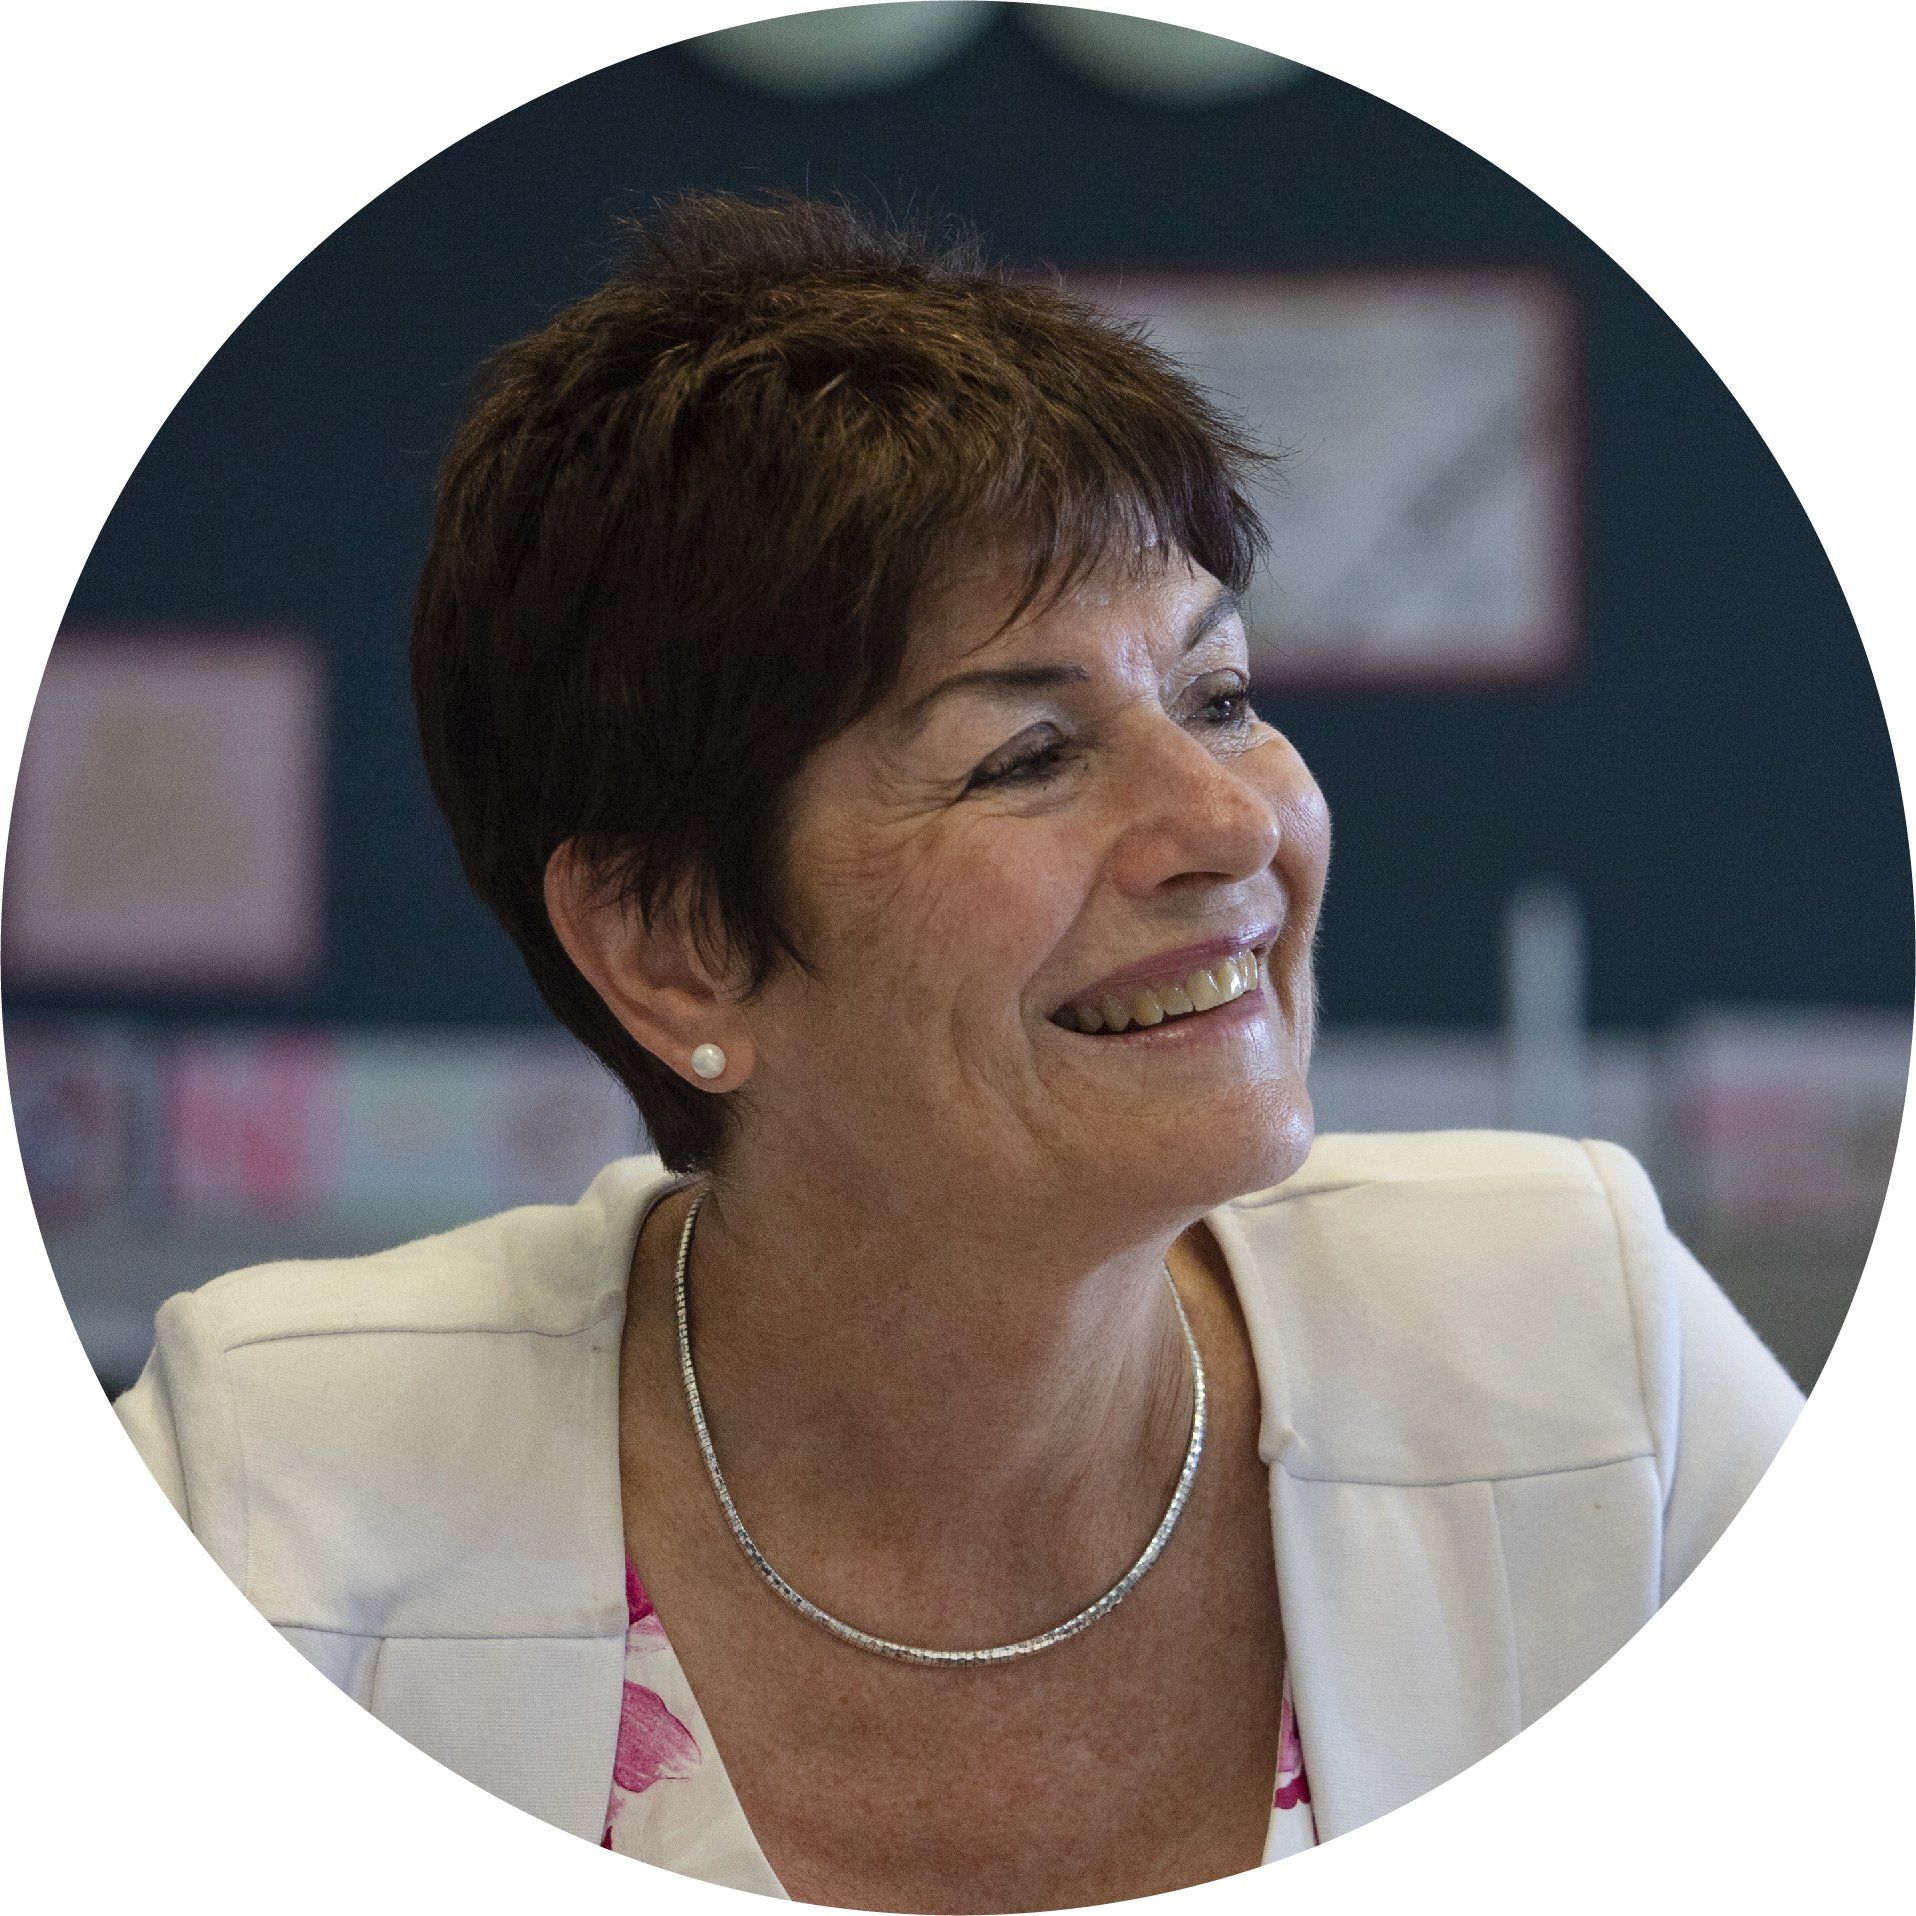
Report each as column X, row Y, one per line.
column 1306, row 825
column 1028, row 888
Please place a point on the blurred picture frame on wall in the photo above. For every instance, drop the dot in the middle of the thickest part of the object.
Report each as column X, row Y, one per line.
column 168, row 831
column 1423, row 512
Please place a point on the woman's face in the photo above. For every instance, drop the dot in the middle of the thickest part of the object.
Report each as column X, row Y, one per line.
column 1078, row 813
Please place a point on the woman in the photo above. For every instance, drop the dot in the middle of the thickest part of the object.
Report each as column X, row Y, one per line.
column 991, row 1422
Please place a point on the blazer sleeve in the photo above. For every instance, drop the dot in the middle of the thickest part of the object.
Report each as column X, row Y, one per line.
column 146, row 1413
column 1719, row 1405
column 181, row 1418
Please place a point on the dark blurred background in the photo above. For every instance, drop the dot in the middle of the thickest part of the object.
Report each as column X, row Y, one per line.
column 1630, row 867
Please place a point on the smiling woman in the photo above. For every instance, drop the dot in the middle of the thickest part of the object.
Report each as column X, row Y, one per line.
column 994, row 1456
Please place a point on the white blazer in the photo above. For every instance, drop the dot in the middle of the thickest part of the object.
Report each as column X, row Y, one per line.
column 1505, row 1412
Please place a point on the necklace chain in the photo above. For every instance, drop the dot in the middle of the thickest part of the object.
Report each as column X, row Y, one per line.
column 911, row 1653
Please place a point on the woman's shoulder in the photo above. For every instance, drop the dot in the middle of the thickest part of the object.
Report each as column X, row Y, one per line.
column 339, row 1431
column 1471, row 1227
column 1458, row 1305
column 543, row 1269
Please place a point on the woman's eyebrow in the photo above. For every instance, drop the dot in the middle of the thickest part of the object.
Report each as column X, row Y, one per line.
column 1038, row 677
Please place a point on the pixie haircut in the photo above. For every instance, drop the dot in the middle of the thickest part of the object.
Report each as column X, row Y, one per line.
column 681, row 528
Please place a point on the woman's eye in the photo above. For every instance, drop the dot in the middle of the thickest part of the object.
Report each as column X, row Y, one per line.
column 1229, row 709
column 1030, row 766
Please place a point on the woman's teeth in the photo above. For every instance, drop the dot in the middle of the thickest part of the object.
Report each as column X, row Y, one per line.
column 1202, row 991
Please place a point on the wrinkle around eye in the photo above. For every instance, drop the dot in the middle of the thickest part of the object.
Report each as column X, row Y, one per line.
column 1035, row 763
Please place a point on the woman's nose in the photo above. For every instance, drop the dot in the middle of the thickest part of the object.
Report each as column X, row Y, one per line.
column 1194, row 814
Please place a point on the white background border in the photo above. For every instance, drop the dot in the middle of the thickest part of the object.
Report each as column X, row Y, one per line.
column 168, row 164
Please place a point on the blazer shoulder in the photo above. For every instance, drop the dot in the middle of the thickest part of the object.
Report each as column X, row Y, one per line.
column 1432, row 1307
column 543, row 1269
column 351, row 1437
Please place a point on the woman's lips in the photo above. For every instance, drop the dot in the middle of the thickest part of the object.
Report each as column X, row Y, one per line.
column 1174, row 967
column 1202, row 994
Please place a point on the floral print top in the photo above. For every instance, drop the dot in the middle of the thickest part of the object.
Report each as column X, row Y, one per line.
column 673, row 1805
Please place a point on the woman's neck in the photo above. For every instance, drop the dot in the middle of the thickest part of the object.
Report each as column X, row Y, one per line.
column 935, row 1394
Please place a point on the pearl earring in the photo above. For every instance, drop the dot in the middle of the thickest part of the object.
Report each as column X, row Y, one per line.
column 708, row 1061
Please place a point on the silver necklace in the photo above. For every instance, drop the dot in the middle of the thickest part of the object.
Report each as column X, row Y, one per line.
column 911, row 1653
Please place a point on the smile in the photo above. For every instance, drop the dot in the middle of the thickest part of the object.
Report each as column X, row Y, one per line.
column 1204, row 989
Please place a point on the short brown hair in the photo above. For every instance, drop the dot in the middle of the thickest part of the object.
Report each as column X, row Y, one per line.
column 682, row 526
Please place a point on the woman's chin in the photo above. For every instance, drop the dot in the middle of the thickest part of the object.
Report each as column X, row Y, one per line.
column 1250, row 1143
column 1291, row 1139
column 1276, row 1143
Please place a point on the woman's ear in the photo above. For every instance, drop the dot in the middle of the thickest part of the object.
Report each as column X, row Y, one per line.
column 650, row 973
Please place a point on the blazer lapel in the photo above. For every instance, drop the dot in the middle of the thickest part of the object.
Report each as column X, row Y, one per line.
column 1465, row 1500
column 534, row 1720
column 1398, row 1633
column 521, row 1691
column 1397, row 1619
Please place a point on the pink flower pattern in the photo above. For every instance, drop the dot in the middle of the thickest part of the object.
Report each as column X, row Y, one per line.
column 654, row 1745
column 642, row 1625
column 1293, row 1786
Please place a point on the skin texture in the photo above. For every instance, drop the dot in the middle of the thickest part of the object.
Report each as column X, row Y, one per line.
column 928, row 1294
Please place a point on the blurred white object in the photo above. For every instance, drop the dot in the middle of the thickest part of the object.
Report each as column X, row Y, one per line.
column 1789, row 1118
column 1381, row 1078
column 1547, row 1045
column 843, row 50
column 421, row 1128
column 1153, row 60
